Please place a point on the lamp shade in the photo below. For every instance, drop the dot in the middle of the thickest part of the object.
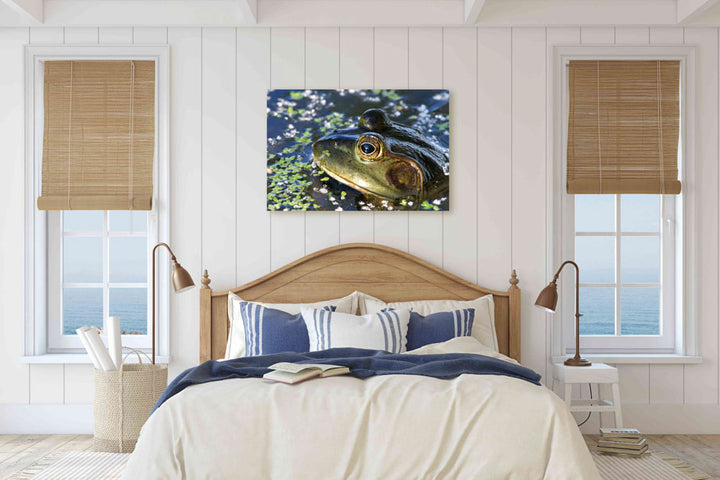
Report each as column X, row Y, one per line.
column 548, row 297
column 181, row 279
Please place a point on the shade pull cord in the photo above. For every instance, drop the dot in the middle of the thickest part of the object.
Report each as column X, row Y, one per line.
column 70, row 137
column 600, row 170
column 132, row 133
column 660, row 130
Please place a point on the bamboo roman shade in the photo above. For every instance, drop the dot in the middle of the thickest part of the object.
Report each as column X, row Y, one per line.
column 623, row 127
column 99, row 135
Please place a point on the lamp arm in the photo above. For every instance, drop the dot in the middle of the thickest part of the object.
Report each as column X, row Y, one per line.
column 172, row 256
column 577, row 270
column 577, row 284
column 163, row 244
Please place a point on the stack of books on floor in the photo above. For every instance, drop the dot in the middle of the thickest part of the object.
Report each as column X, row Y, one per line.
column 622, row 441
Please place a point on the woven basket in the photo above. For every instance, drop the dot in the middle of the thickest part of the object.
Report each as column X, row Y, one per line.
column 123, row 401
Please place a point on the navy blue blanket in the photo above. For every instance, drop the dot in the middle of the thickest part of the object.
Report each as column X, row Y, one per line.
column 363, row 363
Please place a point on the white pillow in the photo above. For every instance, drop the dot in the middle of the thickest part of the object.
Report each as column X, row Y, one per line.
column 379, row 331
column 483, row 326
column 460, row 345
column 236, row 337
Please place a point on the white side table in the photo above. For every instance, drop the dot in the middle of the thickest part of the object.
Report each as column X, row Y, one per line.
column 598, row 373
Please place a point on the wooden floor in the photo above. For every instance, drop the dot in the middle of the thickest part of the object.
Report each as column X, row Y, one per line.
column 701, row 451
column 17, row 452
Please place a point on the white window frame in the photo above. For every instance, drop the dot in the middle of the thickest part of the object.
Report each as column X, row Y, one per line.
column 57, row 341
column 38, row 223
column 679, row 324
column 665, row 341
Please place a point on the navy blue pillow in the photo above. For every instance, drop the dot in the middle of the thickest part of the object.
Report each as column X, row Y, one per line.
column 268, row 330
column 439, row 327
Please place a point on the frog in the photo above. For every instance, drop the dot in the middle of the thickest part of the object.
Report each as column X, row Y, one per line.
column 383, row 158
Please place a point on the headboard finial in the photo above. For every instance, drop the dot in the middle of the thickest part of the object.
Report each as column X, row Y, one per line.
column 205, row 279
column 514, row 280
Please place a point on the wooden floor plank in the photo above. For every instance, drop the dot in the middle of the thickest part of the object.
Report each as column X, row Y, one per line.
column 6, row 438
column 32, row 454
column 17, row 452
column 701, row 451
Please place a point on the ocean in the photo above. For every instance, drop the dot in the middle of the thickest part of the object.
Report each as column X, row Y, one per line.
column 83, row 306
column 640, row 310
column 639, row 306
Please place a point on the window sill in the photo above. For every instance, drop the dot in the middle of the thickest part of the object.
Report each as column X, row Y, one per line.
column 79, row 359
column 641, row 358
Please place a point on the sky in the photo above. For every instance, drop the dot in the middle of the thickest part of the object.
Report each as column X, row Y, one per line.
column 640, row 256
column 83, row 255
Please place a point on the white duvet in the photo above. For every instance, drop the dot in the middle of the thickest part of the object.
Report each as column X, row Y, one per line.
column 385, row 427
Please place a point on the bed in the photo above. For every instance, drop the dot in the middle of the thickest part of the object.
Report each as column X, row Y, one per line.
column 390, row 426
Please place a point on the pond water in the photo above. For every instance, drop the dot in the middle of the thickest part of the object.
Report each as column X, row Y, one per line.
column 297, row 118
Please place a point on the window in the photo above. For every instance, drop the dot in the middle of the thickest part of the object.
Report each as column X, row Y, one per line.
column 625, row 247
column 83, row 265
column 631, row 247
column 98, row 267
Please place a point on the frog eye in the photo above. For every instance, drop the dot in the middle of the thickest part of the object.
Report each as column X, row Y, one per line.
column 369, row 148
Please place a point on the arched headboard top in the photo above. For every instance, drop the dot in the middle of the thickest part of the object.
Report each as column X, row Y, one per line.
column 380, row 271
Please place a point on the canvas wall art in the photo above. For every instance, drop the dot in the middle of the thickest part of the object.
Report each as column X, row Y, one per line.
column 347, row 150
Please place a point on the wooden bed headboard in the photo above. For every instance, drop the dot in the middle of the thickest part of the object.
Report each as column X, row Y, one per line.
column 383, row 272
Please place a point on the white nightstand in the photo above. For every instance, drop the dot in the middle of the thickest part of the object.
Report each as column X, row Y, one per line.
column 597, row 373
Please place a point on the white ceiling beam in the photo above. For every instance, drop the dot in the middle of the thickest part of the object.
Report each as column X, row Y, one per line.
column 249, row 10
column 472, row 10
column 336, row 13
column 29, row 9
column 689, row 10
column 509, row 13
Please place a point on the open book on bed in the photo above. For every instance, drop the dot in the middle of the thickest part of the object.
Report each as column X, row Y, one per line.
column 287, row 372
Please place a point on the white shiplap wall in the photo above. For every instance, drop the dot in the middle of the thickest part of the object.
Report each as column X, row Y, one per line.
column 501, row 118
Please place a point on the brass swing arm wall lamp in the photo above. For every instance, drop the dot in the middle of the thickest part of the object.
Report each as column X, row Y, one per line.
column 547, row 300
column 181, row 280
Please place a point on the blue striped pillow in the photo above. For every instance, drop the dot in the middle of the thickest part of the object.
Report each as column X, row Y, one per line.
column 273, row 331
column 439, row 327
column 378, row 331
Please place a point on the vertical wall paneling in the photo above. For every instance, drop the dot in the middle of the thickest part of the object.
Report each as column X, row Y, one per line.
column 39, row 35
column 632, row 35
column 494, row 150
column 322, row 70
column 665, row 384
column 79, row 386
column 110, row 35
column 555, row 143
column 82, row 35
column 186, row 200
column 253, row 219
column 425, row 70
column 287, row 71
column 460, row 223
column 356, row 71
column 391, row 71
column 150, row 35
column 528, row 194
column 501, row 152
column 218, row 155
column 701, row 381
column 666, row 35
column 597, row 35
column 634, row 383
column 46, row 384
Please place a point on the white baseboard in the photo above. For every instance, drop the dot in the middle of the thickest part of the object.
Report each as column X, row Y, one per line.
column 39, row 419
column 662, row 419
